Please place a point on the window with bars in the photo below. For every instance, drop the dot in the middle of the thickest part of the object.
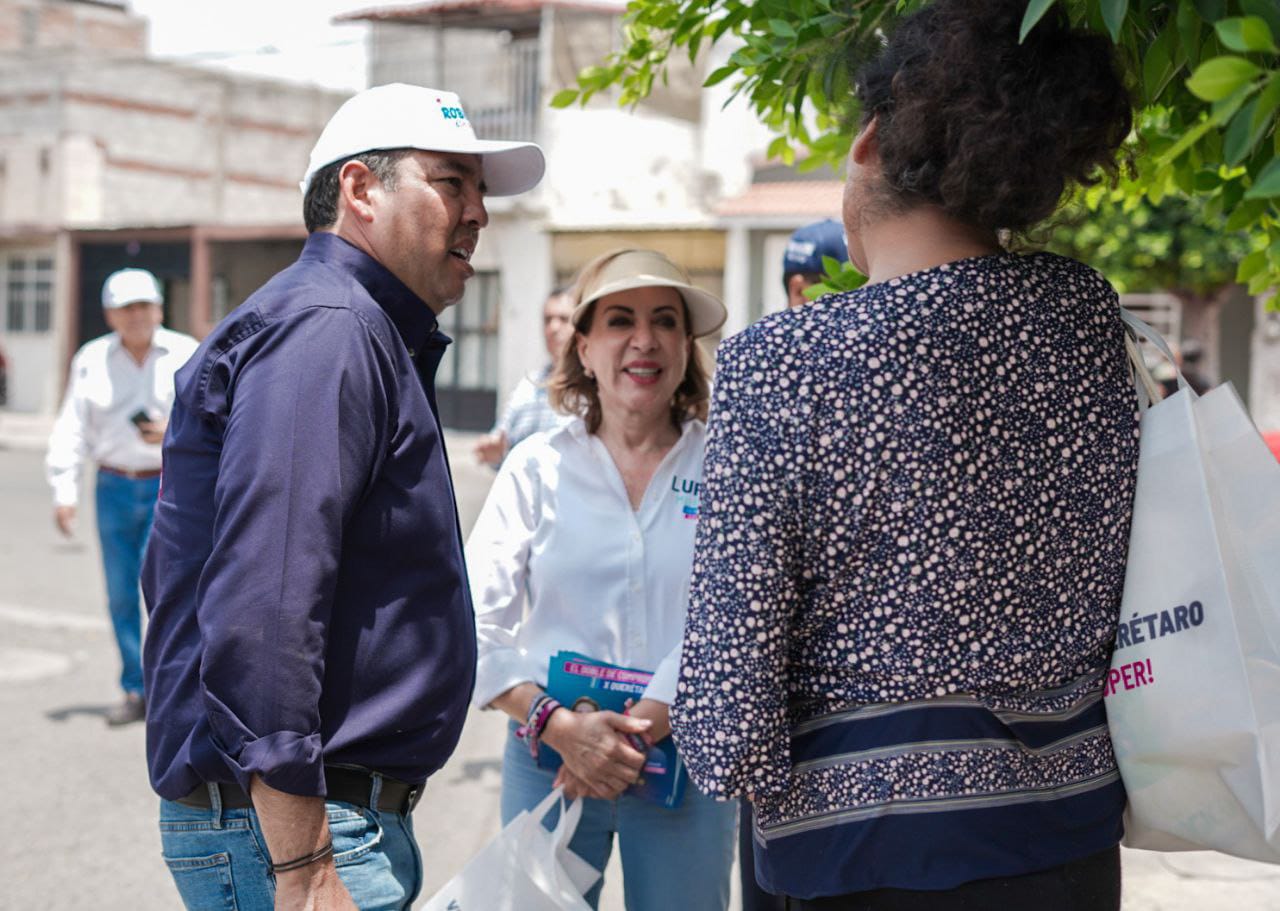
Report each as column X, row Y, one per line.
column 28, row 293
column 466, row 383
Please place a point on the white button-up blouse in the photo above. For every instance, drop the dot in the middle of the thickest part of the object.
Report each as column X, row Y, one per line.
column 559, row 561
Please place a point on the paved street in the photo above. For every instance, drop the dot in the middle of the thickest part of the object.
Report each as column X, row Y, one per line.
column 81, row 817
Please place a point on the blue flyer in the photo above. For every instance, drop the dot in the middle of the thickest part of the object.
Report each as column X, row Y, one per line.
column 586, row 685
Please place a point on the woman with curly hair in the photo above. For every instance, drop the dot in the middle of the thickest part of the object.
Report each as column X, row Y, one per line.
column 585, row 544
column 917, row 504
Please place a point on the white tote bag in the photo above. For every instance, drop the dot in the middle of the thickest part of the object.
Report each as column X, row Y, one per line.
column 525, row 867
column 1193, row 693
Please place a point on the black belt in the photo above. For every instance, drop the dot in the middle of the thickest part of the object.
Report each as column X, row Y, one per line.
column 133, row 474
column 342, row 783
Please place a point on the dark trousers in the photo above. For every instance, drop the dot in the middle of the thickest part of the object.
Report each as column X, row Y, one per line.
column 1091, row 884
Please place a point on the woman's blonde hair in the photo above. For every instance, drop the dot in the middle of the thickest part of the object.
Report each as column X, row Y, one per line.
column 571, row 391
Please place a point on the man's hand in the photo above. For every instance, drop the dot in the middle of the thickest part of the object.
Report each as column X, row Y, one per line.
column 491, row 448
column 65, row 518
column 295, row 827
column 152, row 431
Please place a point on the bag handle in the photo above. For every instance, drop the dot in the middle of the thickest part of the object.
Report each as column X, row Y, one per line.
column 570, row 813
column 1147, row 388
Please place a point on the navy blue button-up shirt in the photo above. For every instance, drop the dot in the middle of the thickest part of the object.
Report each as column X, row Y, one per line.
column 304, row 578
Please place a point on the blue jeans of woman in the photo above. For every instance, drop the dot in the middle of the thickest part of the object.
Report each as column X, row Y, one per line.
column 671, row 859
column 125, row 509
column 219, row 860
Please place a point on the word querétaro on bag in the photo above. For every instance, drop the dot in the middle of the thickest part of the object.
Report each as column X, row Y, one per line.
column 1153, row 626
column 1129, row 677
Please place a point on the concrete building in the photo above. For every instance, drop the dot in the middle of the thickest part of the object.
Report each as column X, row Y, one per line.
column 110, row 159
column 650, row 176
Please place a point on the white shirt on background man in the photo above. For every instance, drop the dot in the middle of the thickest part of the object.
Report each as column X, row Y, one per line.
column 559, row 561
column 107, row 386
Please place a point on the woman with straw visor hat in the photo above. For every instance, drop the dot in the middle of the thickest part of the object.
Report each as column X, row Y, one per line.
column 585, row 545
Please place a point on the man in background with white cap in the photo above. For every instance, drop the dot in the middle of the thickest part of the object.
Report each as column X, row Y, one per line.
column 114, row 412
column 311, row 650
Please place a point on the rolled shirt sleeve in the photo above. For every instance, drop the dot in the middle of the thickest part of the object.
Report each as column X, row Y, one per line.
column 730, row 710
column 662, row 686
column 497, row 554
column 307, row 417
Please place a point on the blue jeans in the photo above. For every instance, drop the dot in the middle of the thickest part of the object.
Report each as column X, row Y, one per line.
column 671, row 859
column 218, row 858
column 125, row 509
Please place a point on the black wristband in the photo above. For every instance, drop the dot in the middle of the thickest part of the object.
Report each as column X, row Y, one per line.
column 299, row 862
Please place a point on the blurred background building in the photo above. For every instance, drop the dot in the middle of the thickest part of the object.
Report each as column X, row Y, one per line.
column 112, row 157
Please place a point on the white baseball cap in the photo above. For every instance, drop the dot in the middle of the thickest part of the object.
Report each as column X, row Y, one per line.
column 130, row 286
column 628, row 269
column 399, row 116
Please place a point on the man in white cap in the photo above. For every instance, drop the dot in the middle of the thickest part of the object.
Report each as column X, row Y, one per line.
column 114, row 412
column 311, row 650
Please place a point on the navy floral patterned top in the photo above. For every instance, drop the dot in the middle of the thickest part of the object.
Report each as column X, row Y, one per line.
column 908, row 576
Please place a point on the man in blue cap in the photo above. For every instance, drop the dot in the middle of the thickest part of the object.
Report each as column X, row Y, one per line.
column 802, row 262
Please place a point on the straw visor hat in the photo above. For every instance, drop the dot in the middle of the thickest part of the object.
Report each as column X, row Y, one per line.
column 630, row 269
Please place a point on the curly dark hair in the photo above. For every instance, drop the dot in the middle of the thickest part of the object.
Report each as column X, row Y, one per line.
column 992, row 131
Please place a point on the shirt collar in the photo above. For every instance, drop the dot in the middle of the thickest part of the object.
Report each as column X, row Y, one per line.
column 413, row 319
column 577, row 428
column 158, row 342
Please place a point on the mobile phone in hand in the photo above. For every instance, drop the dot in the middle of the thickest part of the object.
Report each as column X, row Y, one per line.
column 139, row 417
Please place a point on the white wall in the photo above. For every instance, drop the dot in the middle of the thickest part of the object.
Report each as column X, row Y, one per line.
column 613, row 168
column 1264, row 383
column 516, row 244
column 33, row 371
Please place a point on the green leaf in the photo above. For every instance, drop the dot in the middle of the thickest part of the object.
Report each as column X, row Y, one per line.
column 1189, row 32
column 1157, row 64
column 1244, row 133
column 1035, row 12
column 1206, row 181
column 1268, row 101
column 1211, row 10
column 1215, row 79
column 1246, row 214
column 720, row 75
column 564, row 98
column 782, row 28
column 1222, row 111
column 1267, row 10
column 1261, row 282
column 1251, row 265
column 1186, row 141
column 1113, row 13
column 1267, row 183
column 1245, row 34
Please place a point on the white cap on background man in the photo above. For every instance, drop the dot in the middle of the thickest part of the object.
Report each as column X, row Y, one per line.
column 130, row 286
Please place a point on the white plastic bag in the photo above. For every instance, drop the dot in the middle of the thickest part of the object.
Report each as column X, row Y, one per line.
column 1193, row 694
column 524, row 868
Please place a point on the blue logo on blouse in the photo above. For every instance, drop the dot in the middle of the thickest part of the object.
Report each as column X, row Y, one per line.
column 687, row 494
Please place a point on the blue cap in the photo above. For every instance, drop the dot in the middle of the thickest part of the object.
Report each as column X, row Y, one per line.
column 812, row 242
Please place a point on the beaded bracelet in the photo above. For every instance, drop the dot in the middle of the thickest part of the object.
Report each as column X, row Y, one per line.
column 536, row 722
